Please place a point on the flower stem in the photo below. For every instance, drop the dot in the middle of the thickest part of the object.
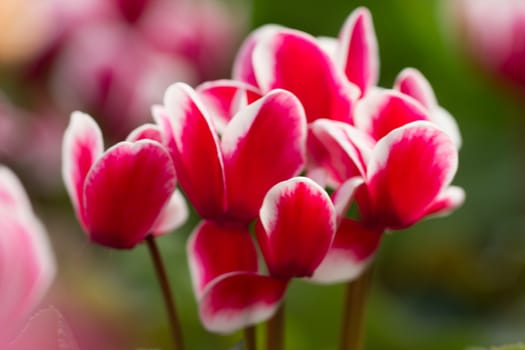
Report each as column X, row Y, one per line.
column 275, row 330
column 174, row 322
column 250, row 340
column 352, row 325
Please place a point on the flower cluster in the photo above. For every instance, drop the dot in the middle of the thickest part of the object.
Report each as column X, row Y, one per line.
column 300, row 116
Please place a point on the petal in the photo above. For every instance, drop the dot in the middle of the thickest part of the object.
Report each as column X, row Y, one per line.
column 442, row 118
column 344, row 196
column 174, row 214
column 47, row 330
column 195, row 151
column 243, row 63
column 240, row 299
column 225, row 98
column 12, row 193
column 411, row 82
column 215, row 249
column 381, row 111
column 296, row 227
column 353, row 249
column 410, row 167
column 27, row 266
column 293, row 61
column 347, row 149
column 82, row 146
column 125, row 191
column 145, row 132
column 358, row 51
column 447, row 201
column 263, row 144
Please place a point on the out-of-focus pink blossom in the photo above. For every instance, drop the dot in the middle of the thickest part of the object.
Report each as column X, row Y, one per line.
column 27, row 264
column 493, row 34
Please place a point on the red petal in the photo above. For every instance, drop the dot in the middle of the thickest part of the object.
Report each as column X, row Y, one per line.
column 382, row 111
column 411, row 82
column 215, row 249
column 296, row 227
column 263, row 144
column 240, row 299
column 195, row 151
column 358, row 54
column 225, row 98
column 352, row 250
column 347, row 149
column 82, row 146
column 243, row 63
column 293, row 61
column 344, row 196
column 174, row 214
column 125, row 192
column 410, row 167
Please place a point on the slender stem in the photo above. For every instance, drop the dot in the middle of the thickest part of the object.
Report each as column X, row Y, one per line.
column 352, row 325
column 275, row 330
column 174, row 322
column 250, row 340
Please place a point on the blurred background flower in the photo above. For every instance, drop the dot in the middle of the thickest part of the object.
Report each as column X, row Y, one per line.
column 443, row 284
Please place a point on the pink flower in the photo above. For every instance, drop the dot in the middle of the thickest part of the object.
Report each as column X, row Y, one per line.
column 226, row 177
column 27, row 265
column 327, row 75
column 493, row 34
column 121, row 195
column 406, row 174
column 295, row 229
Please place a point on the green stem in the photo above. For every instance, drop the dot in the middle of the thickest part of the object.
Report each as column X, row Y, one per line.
column 250, row 340
column 175, row 327
column 352, row 325
column 275, row 330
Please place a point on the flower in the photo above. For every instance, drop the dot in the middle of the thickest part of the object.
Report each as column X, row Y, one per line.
column 295, row 229
column 226, row 178
column 125, row 193
column 27, row 265
column 492, row 33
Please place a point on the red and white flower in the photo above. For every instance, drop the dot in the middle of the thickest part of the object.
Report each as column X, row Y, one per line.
column 295, row 230
column 119, row 195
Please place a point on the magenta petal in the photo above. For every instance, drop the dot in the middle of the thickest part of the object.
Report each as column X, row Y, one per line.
column 263, row 144
column 293, row 61
column 195, row 151
column 344, row 196
column 347, row 149
column 215, row 249
column 296, row 227
column 448, row 200
column 243, row 63
column 382, row 111
column 358, row 53
column 410, row 167
column 240, row 299
column 82, row 146
column 411, row 82
column 145, row 132
column 353, row 248
column 225, row 98
column 174, row 214
column 125, row 192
